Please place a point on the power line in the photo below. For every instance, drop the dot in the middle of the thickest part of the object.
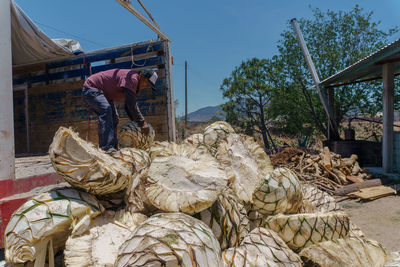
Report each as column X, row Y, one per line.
column 73, row 35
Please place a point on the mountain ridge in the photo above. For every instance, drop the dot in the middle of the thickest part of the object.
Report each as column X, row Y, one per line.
column 205, row 114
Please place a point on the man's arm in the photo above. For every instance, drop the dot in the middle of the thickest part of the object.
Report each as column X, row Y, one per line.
column 132, row 108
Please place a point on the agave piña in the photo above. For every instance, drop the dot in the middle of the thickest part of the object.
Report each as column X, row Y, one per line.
column 86, row 167
column 345, row 252
column 195, row 139
column 99, row 245
column 256, row 219
column 302, row 230
column 44, row 223
column 262, row 247
column 170, row 239
column 216, row 132
column 133, row 159
column 280, row 192
column 131, row 135
column 319, row 200
column 245, row 161
column 183, row 178
column 227, row 219
column 138, row 162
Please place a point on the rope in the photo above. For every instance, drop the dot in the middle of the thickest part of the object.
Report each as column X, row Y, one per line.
column 150, row 47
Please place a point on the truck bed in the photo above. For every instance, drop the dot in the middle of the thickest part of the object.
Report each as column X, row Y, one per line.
column 32, row 166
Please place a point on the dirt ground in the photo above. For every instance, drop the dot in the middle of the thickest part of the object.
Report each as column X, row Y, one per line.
column 378, row 219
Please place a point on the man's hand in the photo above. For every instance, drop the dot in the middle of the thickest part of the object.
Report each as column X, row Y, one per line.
column 145, row 129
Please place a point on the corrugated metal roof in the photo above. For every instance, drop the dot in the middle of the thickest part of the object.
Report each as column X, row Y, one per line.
column 368, row 68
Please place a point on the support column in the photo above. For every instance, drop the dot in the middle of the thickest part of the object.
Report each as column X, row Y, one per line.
column 330, row 93
column 388, row 117
column 6, row 95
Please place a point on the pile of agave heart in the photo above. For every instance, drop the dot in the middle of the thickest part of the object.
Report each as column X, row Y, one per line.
column 213, row 200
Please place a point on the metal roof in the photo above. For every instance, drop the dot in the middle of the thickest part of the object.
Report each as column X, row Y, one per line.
column 369, row 68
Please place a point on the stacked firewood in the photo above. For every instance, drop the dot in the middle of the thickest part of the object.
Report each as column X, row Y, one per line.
column 327, row 170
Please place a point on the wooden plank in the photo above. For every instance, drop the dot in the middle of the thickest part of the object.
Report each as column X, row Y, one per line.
column 110, row 54
column 50, row 88
column 142, row 18
column 375, row 192
column 136, row 57
column 326, row 158
column 77, row 85
column 157, row 122
column 57, row 103
column 42, row 134
column 357, row 186
column 85, row 71
column 28, row 69
column 61, row 104
column 354, row 179
column 93, row 56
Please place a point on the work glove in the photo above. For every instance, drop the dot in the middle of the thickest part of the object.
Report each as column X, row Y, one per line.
column 145, row 129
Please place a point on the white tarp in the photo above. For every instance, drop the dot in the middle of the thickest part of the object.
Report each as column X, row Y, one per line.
column 30, row 44
column 72, row 45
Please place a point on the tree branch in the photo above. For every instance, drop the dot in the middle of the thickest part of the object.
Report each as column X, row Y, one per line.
column 313, row 112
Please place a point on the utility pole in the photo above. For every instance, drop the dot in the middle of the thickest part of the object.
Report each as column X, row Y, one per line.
column 186, row 93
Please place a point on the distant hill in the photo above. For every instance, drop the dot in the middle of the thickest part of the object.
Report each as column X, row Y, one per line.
column 205, row 114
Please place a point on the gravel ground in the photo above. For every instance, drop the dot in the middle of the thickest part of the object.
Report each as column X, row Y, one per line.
column 378, row 219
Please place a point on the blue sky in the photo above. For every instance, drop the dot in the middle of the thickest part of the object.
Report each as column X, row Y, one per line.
column 213, row 36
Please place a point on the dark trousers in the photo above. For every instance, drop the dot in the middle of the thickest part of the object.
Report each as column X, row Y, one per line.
column 107, row 117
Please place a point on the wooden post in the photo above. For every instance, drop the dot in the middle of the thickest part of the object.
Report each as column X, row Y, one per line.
column 143, row 19
column 388, row 117
column 170, row 93
column 185, row 92
column 7, row 153
column 331, row 103
column 28, row 142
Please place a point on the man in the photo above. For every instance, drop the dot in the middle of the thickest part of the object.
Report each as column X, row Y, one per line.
column 101, row 89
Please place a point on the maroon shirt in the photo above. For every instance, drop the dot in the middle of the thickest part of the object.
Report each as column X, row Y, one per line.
column 112, row 81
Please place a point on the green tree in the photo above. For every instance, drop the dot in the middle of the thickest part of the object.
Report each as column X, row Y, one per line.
column 249, row 90
column 335, row 41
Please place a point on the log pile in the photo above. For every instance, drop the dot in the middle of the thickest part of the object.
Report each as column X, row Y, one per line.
column 327, row 170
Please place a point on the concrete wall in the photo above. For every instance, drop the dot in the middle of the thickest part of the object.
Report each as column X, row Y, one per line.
column 6, row 106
